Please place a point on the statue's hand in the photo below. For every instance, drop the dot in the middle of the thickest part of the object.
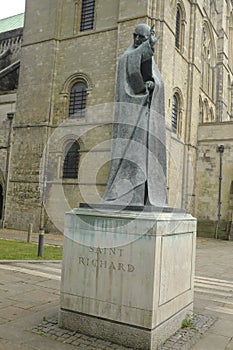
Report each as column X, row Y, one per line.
column 153, row 39
column 150, row 85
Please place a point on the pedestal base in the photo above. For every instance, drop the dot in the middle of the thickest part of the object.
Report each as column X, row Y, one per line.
column 127, row 277
column 123, row 334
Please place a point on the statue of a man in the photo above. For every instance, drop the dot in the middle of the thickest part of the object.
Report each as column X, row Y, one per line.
column 138, row 167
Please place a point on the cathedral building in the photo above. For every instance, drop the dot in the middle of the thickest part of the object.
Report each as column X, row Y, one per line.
column 56, row 117
column 11, row 33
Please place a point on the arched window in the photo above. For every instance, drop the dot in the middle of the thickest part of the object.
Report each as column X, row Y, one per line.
column 211, row 113
column 201, row 110
column 230, row 95
column 71, row 161
column 179, row 28
column 87, row 15
column 78, row 99
column 208, row 61
column 174, row 113
column 230, row 42
column 206, row 111
column 177, row 113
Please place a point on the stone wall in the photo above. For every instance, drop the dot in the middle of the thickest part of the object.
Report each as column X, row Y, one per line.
column 7, row 105
column 207, row 178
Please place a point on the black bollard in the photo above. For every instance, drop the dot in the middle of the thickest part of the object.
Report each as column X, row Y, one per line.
column 41, row 242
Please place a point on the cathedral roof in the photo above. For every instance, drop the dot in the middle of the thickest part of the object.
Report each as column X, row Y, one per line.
column 11, row 23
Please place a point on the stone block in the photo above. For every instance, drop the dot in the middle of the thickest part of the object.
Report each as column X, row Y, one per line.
column 127, row 276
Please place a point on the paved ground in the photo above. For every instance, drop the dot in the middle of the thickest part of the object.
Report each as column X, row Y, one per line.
column 29, row 300
column 214, row 292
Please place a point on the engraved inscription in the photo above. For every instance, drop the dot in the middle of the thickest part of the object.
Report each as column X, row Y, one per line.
column 101, row 261
column 107, row 251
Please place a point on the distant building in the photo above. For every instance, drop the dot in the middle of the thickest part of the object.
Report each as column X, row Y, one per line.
column 11, row 34
column 68, row 66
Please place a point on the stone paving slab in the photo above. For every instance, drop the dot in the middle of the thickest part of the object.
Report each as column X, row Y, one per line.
column 212, row 342
column 185, row 338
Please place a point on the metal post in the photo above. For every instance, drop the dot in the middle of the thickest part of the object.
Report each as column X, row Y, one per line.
column 29, row 233
column 220, row 149
column 10, row 117
column 41, row 242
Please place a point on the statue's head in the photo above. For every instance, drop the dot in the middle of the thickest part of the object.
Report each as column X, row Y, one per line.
column 141, row 34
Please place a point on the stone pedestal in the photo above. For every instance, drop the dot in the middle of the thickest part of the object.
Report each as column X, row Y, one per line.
column 127, row 277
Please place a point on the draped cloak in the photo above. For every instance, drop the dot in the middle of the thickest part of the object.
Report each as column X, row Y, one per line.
column 138, row 147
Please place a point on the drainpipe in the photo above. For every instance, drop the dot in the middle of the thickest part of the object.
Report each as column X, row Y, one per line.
column 10, row 117
column 220, row 149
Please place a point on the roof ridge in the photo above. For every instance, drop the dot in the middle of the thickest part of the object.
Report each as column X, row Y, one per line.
column 6, row 18
column 13, row 22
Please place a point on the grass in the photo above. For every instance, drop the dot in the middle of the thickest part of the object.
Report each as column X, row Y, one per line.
column 187, row 322
column 14, row 250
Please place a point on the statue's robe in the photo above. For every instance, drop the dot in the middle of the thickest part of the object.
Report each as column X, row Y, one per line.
column 138, row 162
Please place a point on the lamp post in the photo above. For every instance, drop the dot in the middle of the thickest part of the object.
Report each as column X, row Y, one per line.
column 220, row 149
column 10, row 117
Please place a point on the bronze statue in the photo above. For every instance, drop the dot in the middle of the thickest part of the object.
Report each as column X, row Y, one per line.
column 138, row 166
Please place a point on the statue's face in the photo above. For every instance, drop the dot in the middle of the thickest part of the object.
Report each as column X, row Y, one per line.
column 141, row 34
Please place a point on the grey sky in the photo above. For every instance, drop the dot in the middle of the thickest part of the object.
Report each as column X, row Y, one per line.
column 11, row 7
